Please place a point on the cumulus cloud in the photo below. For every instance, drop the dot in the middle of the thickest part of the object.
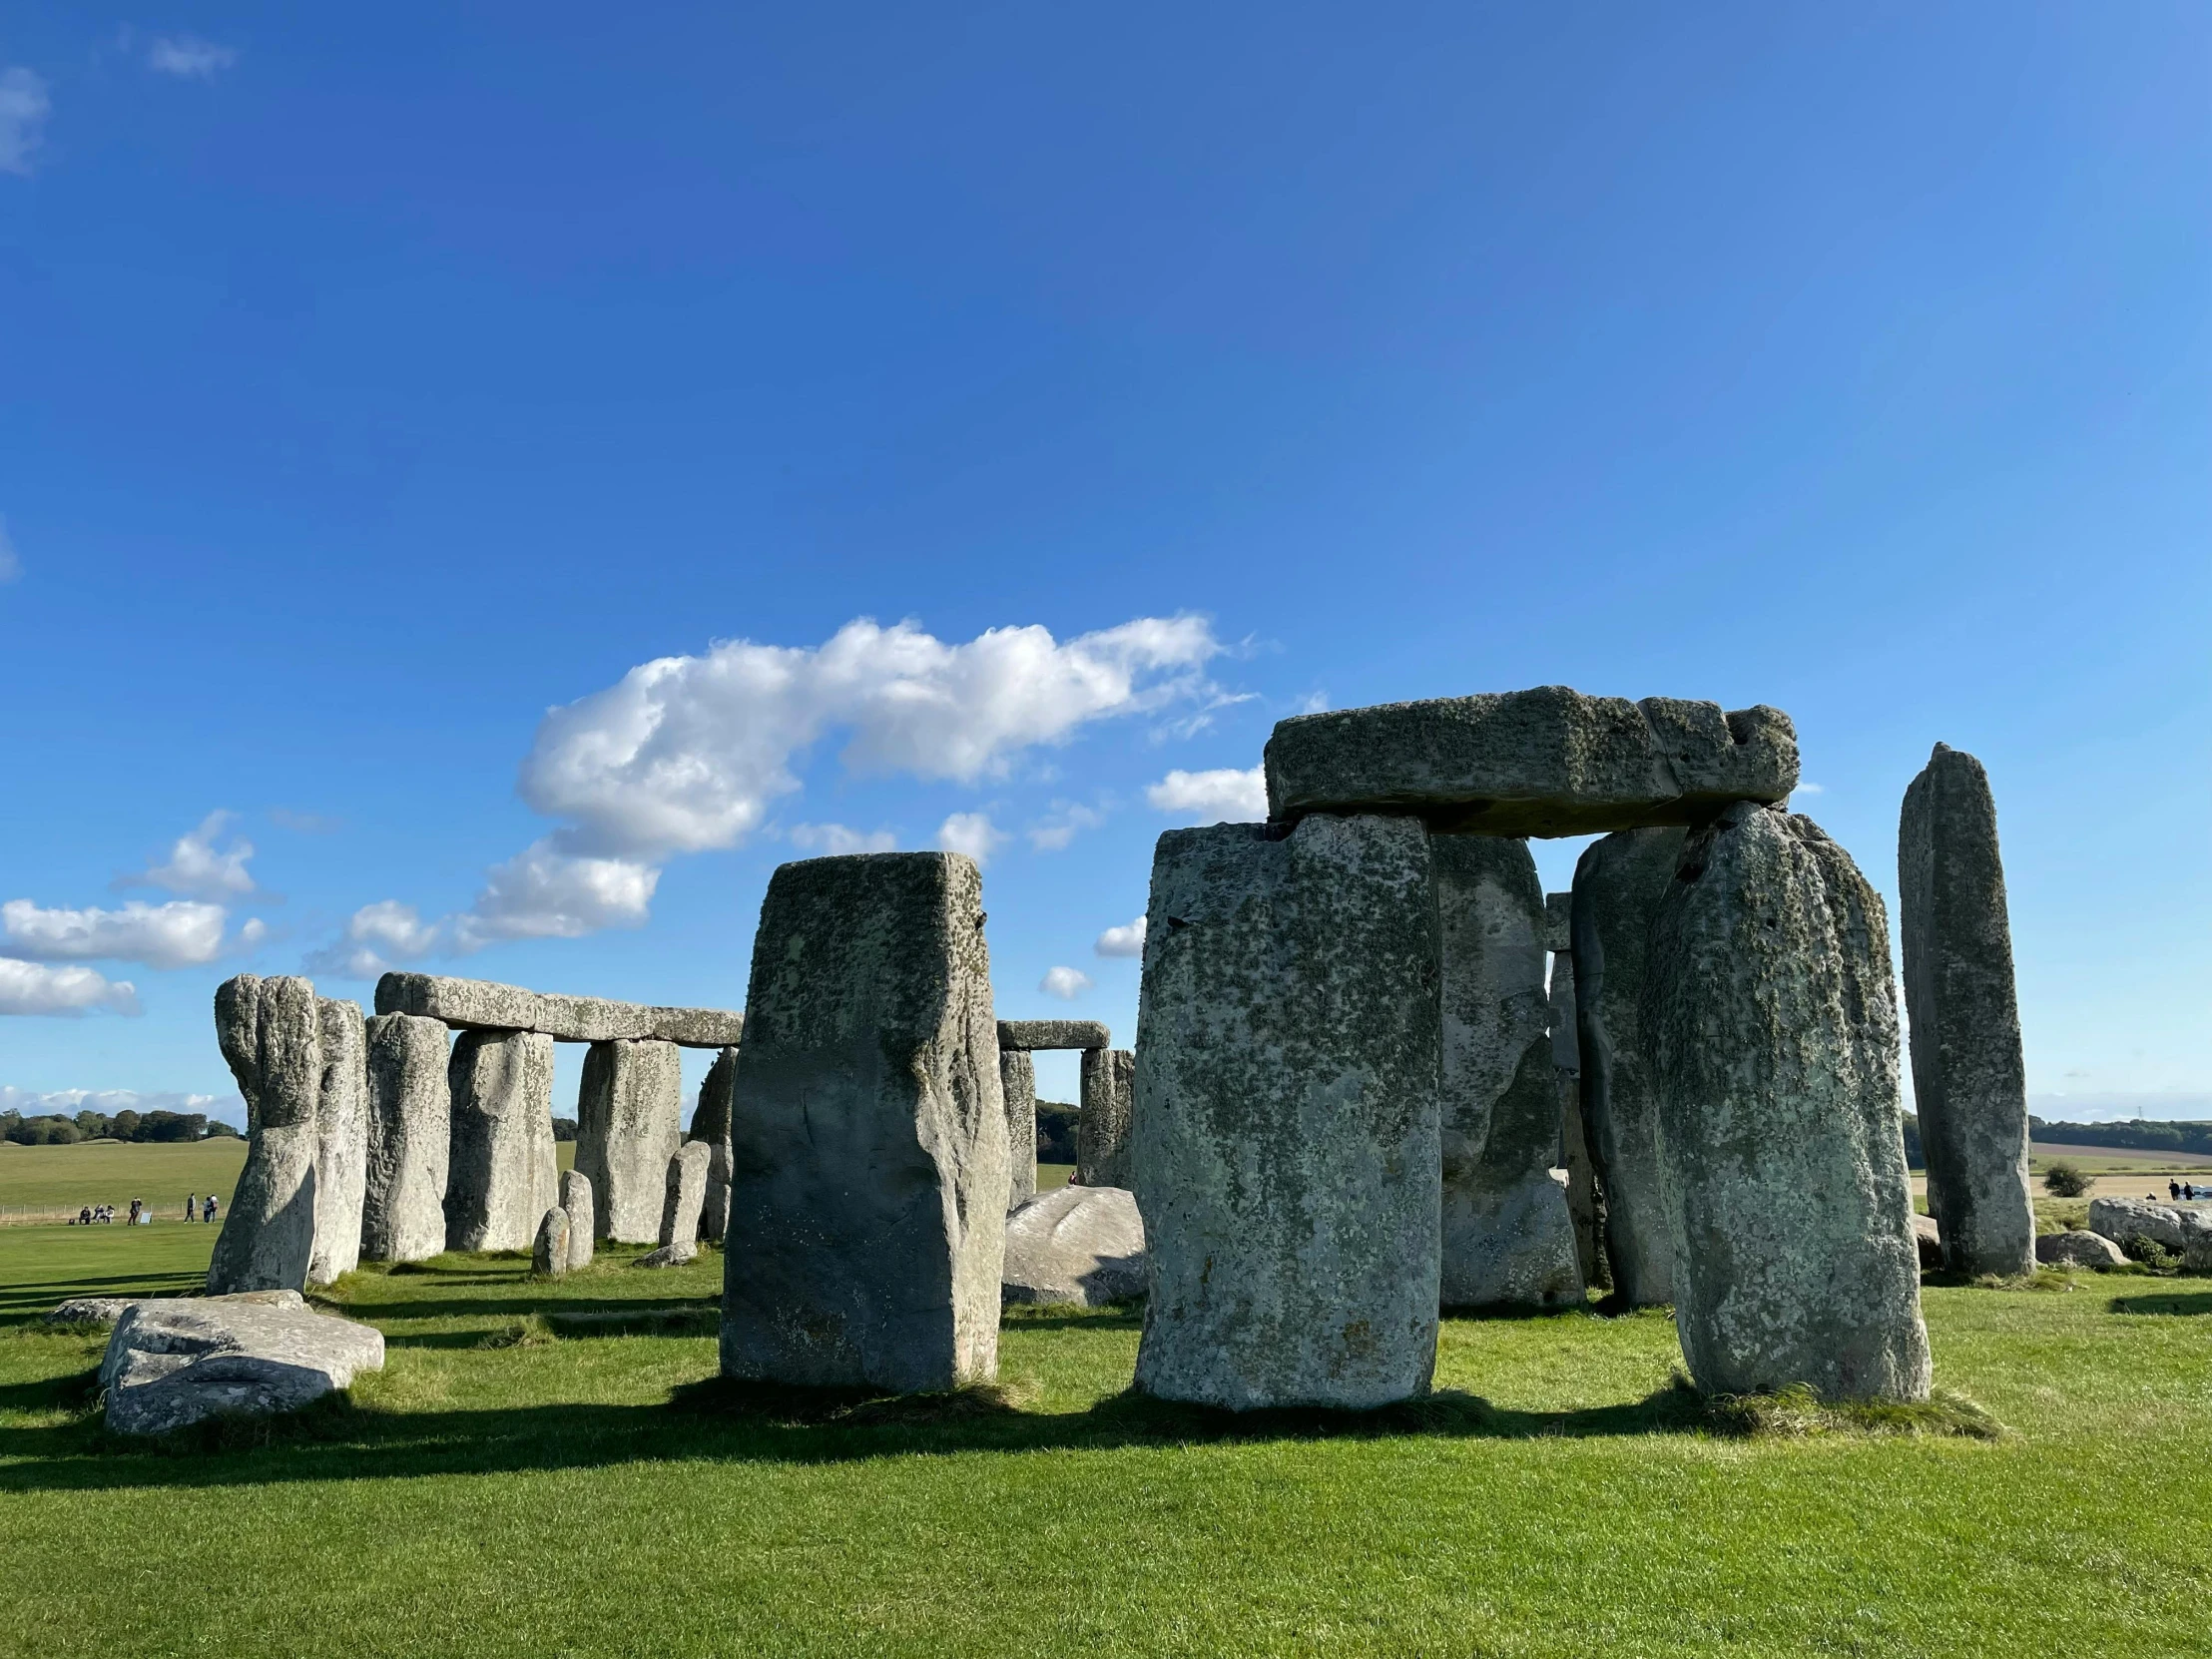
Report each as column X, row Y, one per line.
column 188, row 57
column 175, row 934
column 32, row 988
column 1809, row 788
column 1122, row 942
column 67, row 1102
column 11, row 566
column 545, row 893
column 1226, row 795
column 1052, row 834
column 1066, row 983
column 198, row 869
column 972, row 833
column 376, row 936
column 830, row 839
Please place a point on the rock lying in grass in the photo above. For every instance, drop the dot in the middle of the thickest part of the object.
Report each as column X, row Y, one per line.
column 667, row 1255
column 1080, row 1245
column 2076, row 1249
column 2185, row 1232
column 1928, row 1235
column 106, row 1309
column 549, row 1252
column 174, row 1362
column 271, row 1033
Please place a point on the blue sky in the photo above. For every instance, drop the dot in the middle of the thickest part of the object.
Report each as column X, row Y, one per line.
column 374, row 383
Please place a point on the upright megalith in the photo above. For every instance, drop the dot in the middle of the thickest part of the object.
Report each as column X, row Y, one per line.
column 549, row 1255
column 1018, row 1085
column 1102, row 1124
column 1772, row 1026
column 867, row 1206
column 1585, row 1203
column 410, row 1130
column 684, row 1196
column 1508, row 1238
column 628, row 1123
column 1618, row 883
column 1969, row 1083
column 502, row 1175
column 577, row 1204
column 1284, row 1148
column 711, row 1128
column 341, row 1142
column 271, row 1033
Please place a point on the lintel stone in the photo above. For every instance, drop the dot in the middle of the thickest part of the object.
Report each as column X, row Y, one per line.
column 484, row 1005
column 1053, row 1033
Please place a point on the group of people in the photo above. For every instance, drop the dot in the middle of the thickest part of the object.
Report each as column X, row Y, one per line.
column 141, row 1212
column 2180, row 1190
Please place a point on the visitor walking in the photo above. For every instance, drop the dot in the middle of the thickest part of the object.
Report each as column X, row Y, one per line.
column 2173, row 1190
column 207, row 1210
column 132, row 1222
column 192, row 1203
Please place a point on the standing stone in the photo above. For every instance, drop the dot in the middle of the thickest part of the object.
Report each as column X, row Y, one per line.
column 1618, row 883
column 341, row 1142
column 1508, row 1238
column 1284, row 1148
column 628, row 1123
column 1774, row 1038
column 868, row 1208
column 1585, row 1204
column 271, row 1033
column 685, row 1193
column 1970, row 1082
column 1102, row 1125
column 577, row 1204
column 502, row 1177
column 1017, row 1082
column 549, row 1253
column 410, row 1129
column 711, row 1128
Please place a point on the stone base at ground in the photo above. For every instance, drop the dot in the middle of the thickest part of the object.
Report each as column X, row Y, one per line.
column 174, row 1362
column 2078, row 1248
column 1079, row 1245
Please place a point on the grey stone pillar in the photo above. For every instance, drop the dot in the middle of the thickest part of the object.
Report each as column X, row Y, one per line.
column 578, row 1205
column 1017, row 1082
column 711, row 1125
column 1618, row 883
column 341, row 1142
column 1970, row 1082
column 271, row 1033
column 868, row 1208
column 1773, row 1030
column 501, row 1176
column 684, row 1194
column 1584, row 1205
column 549, row 1253
column 1285, row 1147
column 1102, row 1124
column 628, row 1123
column 411, row 1138
column 1508, row 1238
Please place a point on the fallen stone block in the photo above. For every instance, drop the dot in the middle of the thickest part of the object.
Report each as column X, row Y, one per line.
column 1079, row 1245
column 485, row 1005
column 174, row 1362
column 2186, row 1232
column 106, row 1309
column 2079, row 1249
column 271, row 1033
column 667, row 1255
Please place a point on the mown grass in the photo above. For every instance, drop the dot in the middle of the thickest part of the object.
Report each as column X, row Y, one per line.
column 552, row 1467
column 114, row 1172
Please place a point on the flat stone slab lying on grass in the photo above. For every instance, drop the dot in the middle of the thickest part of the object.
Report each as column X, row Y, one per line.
column 1545, row 762
column 176, row 1361
column 2079, row 1249
column 485, row 1005
column 106, row 1309
column 1078, row 1246
column 1053, row 1033
column 669, row 1255
column 2174, row 1226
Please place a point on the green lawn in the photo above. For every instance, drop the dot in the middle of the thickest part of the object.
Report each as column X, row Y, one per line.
column 57, row 1178
column 520, row 1482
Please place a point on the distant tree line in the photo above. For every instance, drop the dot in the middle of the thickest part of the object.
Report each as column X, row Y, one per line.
column 57, row 1130
column 2137, row 1134
column 1055, row 1132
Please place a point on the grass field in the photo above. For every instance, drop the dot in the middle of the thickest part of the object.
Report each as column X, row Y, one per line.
column 516, row 1481
column 54, row 1179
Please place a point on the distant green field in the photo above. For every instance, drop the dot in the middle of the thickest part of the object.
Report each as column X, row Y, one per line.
column 57, row 1178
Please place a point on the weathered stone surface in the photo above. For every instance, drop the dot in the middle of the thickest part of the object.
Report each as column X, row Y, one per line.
column 2082, row 1250
column 868, row 1208
column 579, row 1203
column 1928, row 1240
column 669, row 1255
column 173, row 1362
column 271, row 1032
column 684, row 1193
column 106, row 1309
column 1772, row 1023
column 411, row 1138
column 2176, row 1227
column 711, row 1125
column 1080, row 1245
column 628, row 1123
column 1102, row 1127
column 1018, row 1085
column 1285, row 1147
column 502, row 1177
column 1559, row 921
column 1508, row 1238
column 1027, row 1034
column 1970, row 1082
column 341, row 1142
column 1546, row 761
column 1585, row 1204
column 1618, row 883
column 549, row 1252
column 484, row 1005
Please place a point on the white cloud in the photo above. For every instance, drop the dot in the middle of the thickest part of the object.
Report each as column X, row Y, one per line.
column 1052, row 834
column 68, row 1102
column 544, row 893
column 175, row 934
column 23, row 111
column 197, row 869
column 252, row 932
column 1122, row 942
column 376, row 936
column 1809, row 788
column 30, row 988
column 972, row 833
column 1066, row 983
column 1225, row 796
column 11, row 566
column 189, row 55
column 832, row 838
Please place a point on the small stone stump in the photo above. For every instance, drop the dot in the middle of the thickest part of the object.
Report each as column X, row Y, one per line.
column 1102, row 1124
column 627, row 1124
column 271, row 1033
column 410, row 1139
column 578, row 1202
column 502, row 1176
column 549, row 1254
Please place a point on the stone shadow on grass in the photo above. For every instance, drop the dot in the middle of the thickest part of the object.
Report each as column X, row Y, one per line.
column 2171, row 1301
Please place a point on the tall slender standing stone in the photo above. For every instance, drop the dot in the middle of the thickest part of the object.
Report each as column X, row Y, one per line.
column 502, row 1175
column 577, row 1203
column 1284, row 1149
column 711, row 1125
column 1017, row 1082
column 684, row 1194
column 1508, row 1238
column 868, row 1210
column 1970, row 1082
column 1773, row 1030
column 628, row 1123
column 1618, row 883
column 410, row 1139
column 271, row 1037
column 1102, row 1126
column 1585, row 1207
column 341, row 1142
